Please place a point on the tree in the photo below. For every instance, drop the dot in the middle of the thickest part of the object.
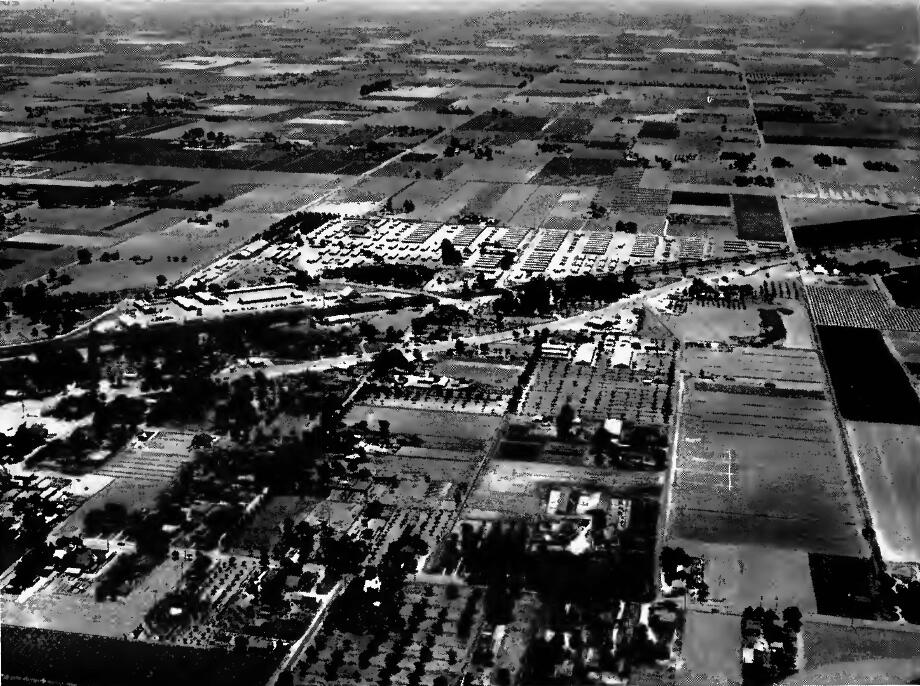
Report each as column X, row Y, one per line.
column 564, row 422
column 408, row 206
column 823, row 160
column 387, row 361
column 84, row 256
column 450, row 256
column 792, row 617
column 161, row 280
column 201, row 441
column 780, row 163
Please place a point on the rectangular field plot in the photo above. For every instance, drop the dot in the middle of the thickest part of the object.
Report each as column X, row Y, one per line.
column 140, row 472
column 887, row 455
column 711, row 650
column 435, row 427
column 859, row 654
column 72, row 657
column 758, row 218
column 765, row 468
column 869, row 383
column 784, row 368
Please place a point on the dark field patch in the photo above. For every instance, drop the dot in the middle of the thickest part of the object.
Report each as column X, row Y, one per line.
column 487, row 121
column 868, row 382
column 843, row 585
column 569, row 129
column 705, row 199
column 26, row 245
column 576, row 170
column 758, row 218
column 149, row 151
column 856, row 231
column 74, row 658
column 659, row 129
column 904, row 286
column 835, row 142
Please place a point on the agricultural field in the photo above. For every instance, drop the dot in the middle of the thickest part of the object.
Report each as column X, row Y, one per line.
column 877, row 390
column 86, row 221
column 441, row 331
column 140, row 471
column 886, row 455
column 759, row 456
column 29, row 652
column 172, row 253
column 869, row 654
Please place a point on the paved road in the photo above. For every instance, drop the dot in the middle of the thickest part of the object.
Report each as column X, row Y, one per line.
column 562, row 323
column 306, row 639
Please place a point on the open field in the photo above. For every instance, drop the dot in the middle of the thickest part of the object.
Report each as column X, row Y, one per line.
column 80, row 612
column 837, row 651
column 739, row 575
column 433, row 426
column 756, row 465
column 518, row 488
column 887, row 456
column 162, row 253
column 711, row 650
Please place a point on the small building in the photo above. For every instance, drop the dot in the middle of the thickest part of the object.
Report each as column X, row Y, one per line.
column 586, row 353
column 187, row 304
column 614, row 427
column 558, row 351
